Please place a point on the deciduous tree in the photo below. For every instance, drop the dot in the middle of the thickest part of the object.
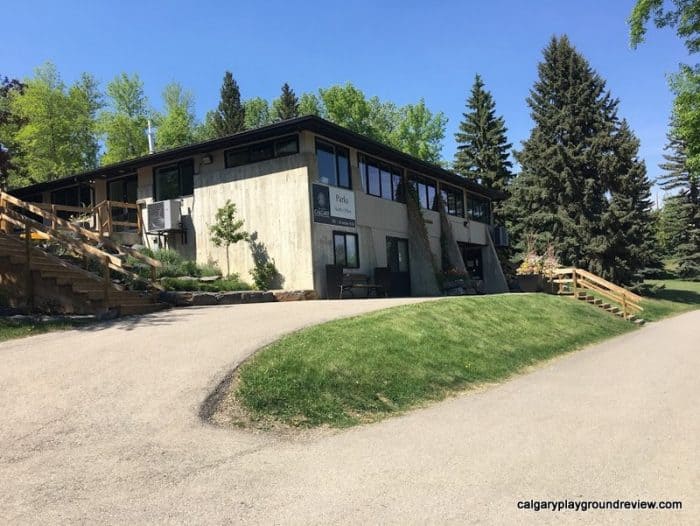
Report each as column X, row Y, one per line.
column 176, row 127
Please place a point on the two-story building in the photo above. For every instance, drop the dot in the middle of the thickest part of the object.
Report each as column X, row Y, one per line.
column 311, row 193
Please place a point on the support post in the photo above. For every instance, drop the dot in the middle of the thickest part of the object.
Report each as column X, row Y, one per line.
column 624, row 306
column 29, row 285
column 574, row 284
column 107, row 280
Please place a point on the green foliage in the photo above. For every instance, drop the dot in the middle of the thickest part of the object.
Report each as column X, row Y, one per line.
column 173, row 265
column 683, row 227
column 9, row 125
column 684, row 17
column 364, row 368
column 231, row 283
column 482, row 145
column 578, row 156
column 286, row 106
column 229, row 117
column 413, row 128
column 226, row 230
column 124, row 123
column 257, row 113
column 58, row 125
column 264, row 274
column 176, row 127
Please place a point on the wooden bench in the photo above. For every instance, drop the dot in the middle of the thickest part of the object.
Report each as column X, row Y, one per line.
column 353, row 282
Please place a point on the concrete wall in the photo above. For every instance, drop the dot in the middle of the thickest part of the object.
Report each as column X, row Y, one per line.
column 271, row 197
column 376, row 220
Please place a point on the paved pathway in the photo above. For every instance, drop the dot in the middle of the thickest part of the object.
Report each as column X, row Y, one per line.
column 101, row 426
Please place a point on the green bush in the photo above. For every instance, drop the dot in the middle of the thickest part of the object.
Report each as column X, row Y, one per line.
column 264, row 274
column 232, row 283
column 173, row 265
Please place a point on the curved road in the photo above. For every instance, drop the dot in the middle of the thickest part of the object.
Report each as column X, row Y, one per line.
column 100, row 425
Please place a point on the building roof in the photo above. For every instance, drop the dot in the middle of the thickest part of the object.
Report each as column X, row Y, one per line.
column 310, row 122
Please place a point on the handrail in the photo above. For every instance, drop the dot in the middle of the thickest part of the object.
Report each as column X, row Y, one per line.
column 84, row 249
column 587, row 280
column 85, row 232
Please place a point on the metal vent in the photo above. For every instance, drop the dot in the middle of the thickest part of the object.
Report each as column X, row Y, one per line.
column 156, row 216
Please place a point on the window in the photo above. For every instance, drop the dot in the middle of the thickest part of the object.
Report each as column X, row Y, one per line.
column 479, row 208
column 80, row 196
column 453, row 199
column 397, row 254
column 380, row 179
column 425, row 188
column 261, row 151
column 173, row 180
column 345, row 249
column 333, row 164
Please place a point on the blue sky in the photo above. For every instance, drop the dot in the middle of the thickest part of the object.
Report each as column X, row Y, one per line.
column 398, row 50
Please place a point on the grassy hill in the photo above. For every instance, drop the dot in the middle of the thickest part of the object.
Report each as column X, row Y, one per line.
column 361, row 369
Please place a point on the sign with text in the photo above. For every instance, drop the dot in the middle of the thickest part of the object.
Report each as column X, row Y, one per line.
column 333, row 206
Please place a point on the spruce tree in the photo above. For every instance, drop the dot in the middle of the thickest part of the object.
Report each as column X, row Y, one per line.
column 287, row 106
column 560, row 195
column 683, row 180
column 229, row 117
column 482, row 145
column 630, row 241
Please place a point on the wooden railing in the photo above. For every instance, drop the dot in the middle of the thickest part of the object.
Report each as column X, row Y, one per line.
column 100, row 217
column 576, row 279
column 14, row 213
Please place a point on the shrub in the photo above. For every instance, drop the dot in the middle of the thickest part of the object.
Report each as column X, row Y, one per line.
column 232, row 283
column 264, row 274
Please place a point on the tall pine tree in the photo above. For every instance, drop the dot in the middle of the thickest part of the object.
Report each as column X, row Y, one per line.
column 683, row 180
column 482, row 145
column 287, row 106
column 229, row 117
column 630, row 242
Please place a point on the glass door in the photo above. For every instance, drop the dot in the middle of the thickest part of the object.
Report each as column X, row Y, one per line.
column 397, row 261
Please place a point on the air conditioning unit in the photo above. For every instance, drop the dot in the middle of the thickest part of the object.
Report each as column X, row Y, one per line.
column 164, row 216
column 500, row 236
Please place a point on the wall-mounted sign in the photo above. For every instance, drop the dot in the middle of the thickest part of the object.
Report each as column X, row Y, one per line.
column 333, row 206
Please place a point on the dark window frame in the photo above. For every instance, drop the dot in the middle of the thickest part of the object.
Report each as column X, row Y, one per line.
column 366, row 161
column 181, row 188
column 472, row 197
column 247, row 150
column 415, row 180
column 345, row 247
column 328, row 145
column 445, row 190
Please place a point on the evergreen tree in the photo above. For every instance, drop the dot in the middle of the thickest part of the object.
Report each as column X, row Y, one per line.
column 10, row 155
column 482, row 145
column 630, row 241
column 685, row 181
column 287, row 106
column 560, row 195
column 230, row 115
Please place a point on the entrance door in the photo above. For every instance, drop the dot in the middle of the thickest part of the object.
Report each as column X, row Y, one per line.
column 473, row 260
column 123, row 190
column 397, row 261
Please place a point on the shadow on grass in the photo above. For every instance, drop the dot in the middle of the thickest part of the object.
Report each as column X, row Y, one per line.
column 688, row 297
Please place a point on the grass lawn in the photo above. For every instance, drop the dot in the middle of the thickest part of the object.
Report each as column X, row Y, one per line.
column 676, row 297
column 360, row 369
column 18, row 329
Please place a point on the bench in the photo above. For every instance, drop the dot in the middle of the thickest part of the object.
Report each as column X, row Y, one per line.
column 338, row 281
column 353, row 282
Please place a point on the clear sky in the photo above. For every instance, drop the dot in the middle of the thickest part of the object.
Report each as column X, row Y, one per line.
column 398, row 50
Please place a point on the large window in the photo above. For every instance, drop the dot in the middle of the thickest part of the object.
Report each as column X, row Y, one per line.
column 81, row 195
column 261, row 151
column 345, row 249
column 173, row 180
column 333, row 164
column 425, row 188
column 381, row 179
column 478, row 208
column 453, row 199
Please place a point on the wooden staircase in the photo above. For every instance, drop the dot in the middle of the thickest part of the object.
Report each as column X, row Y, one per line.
column 86, row 274
column 586, row 286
